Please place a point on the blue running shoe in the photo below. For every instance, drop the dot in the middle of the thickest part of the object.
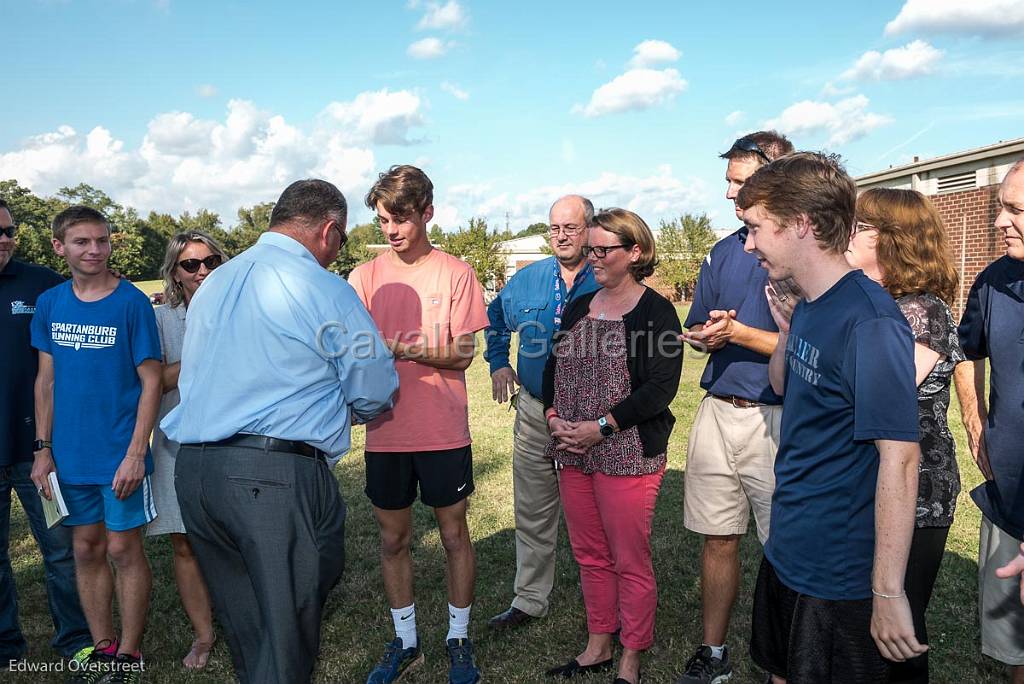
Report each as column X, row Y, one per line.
column 462, row 669
column 395, row 662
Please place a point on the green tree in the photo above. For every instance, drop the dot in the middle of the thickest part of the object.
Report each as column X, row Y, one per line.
column 479, row 248
column 356, row 250
column 533, row 229
column 682, row 245
column 128, row 256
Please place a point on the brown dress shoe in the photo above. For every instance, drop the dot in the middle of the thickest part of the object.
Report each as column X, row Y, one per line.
column 513, row 617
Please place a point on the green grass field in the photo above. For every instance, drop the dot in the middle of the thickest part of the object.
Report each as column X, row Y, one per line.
column 358, row 622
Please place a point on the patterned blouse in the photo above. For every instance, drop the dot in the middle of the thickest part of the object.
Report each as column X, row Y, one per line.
column 591, row 377
column 939, row 479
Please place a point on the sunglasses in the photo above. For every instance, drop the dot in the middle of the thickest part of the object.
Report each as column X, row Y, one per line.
column 192, row 265
column 601, row 251
column 748, row 145
column 8, row 230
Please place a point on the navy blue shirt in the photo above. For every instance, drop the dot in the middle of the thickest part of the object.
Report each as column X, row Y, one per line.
column 849, row 381
column 992, row 327
column 732, row 279
column 527, row 306
column 20, row 285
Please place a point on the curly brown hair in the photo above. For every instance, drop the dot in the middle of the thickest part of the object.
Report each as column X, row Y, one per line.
column 912, row 249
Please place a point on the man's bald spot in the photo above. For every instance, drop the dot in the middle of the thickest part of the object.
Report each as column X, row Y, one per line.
column 585, row 206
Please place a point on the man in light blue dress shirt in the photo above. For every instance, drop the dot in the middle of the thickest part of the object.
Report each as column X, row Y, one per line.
column 279, row 359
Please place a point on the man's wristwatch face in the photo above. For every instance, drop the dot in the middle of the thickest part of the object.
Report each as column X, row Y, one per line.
column 606, row 429
column 39, row 445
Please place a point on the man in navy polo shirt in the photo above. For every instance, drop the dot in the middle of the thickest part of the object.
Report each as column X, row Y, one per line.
column 532, row 304
column 20, row 284
column 992, row 328
column 732, row 444
column 829, row 603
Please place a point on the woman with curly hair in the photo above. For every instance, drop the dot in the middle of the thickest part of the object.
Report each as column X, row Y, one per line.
column 900, row 242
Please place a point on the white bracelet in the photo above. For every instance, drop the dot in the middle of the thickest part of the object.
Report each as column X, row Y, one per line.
column 889, row 596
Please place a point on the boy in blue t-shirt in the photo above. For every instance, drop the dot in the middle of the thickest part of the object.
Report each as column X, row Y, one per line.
column 97, row 397
column 829, row 603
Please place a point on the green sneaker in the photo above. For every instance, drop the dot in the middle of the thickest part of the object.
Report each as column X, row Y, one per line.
column 91, row 665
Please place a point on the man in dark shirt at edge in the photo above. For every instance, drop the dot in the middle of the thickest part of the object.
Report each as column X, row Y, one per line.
column 20, row 284
column 732, row 443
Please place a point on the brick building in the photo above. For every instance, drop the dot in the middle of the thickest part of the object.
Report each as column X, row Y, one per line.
column 964, row 187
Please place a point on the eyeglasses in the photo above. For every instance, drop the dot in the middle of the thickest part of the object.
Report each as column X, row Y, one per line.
column 9, row 230
column 344, row 237
column 748, row 145
column 570, row 229
column 861, row 226
column 601, row 251
column 192, row 265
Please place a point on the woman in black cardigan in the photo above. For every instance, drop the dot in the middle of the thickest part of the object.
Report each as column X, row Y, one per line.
column 613, row 372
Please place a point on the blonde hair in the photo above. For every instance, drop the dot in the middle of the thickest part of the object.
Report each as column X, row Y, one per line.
column 173, row 293
column 632, row 230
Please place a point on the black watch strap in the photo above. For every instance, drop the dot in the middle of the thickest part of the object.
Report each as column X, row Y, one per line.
column 41, row 444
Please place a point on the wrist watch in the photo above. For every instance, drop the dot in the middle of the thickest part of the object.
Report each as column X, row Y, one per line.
column 606, row 429
column 41, row 444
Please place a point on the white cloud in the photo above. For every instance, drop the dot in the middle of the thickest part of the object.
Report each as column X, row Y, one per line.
column 655, row 196
column 428, row 48
column 977, row 17
column 381, row 117
column 831, row 90
column 448, row 16
column 454, row 90
column 735, row 118
column 651, row 52
column 843, row 122
column 206, row 90
column 913, row 59
column 187, row 163
column 636, row 89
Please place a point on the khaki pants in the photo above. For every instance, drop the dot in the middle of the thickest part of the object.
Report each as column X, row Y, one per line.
column 730, row 468
column 1002, row 615
column 537, row 507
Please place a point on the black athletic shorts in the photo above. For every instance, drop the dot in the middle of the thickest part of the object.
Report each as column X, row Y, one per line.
column 445, row 477
column 809, row 640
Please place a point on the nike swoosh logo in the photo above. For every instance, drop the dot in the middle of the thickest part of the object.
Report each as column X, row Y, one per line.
column 462, row 487
column 406, row 617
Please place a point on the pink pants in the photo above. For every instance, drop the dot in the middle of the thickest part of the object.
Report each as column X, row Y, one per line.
column 609, row 522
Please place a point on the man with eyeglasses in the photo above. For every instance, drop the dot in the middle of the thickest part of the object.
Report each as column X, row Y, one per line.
column 531, row 304
column 20, row 286
column 280, row 358
column 991, row 328
column 731, row 450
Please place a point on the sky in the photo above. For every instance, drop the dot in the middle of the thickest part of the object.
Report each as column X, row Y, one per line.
column 174, row 105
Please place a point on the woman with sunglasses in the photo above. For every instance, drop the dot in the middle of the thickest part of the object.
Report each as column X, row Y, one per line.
column 190, row 258
column 608, row 384
column 900, row 242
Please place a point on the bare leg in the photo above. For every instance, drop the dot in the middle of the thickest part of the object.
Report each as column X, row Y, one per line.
column 720, row 582
column 195, row 599
column 95, row 580
column 1017, row 674
column 458, row 548
column 598, row 650
column 629, row 665
column 395, row 560
column 134, row 584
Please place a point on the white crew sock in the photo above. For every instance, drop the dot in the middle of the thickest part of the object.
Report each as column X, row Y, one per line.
column 716, row 651
column 458, row 622
column 405, row 625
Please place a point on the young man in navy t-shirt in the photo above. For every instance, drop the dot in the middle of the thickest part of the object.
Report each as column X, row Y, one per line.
column 829, row 602
column 97, row 396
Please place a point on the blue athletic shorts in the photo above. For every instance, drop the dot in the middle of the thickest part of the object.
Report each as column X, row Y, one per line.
column 89, row 504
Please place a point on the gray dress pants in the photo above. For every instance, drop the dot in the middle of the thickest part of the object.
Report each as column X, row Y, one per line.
column 268, row 529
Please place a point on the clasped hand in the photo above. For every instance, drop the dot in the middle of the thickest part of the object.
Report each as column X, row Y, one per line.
column 575, row 437
column 714, row 334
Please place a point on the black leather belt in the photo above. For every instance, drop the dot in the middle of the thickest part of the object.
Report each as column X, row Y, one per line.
column 738, row 402
column 268, row 444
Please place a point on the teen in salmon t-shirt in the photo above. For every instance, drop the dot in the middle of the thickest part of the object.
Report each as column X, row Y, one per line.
column 428, row 305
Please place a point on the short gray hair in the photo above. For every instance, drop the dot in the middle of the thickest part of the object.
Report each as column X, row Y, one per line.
column 588, row 207
column 310, row 202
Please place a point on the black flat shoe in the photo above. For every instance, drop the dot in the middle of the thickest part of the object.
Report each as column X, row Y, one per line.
column 573, row 668
column 620, row 680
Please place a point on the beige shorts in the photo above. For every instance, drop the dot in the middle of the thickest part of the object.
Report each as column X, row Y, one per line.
column 730, row 468
column 1002, row 615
